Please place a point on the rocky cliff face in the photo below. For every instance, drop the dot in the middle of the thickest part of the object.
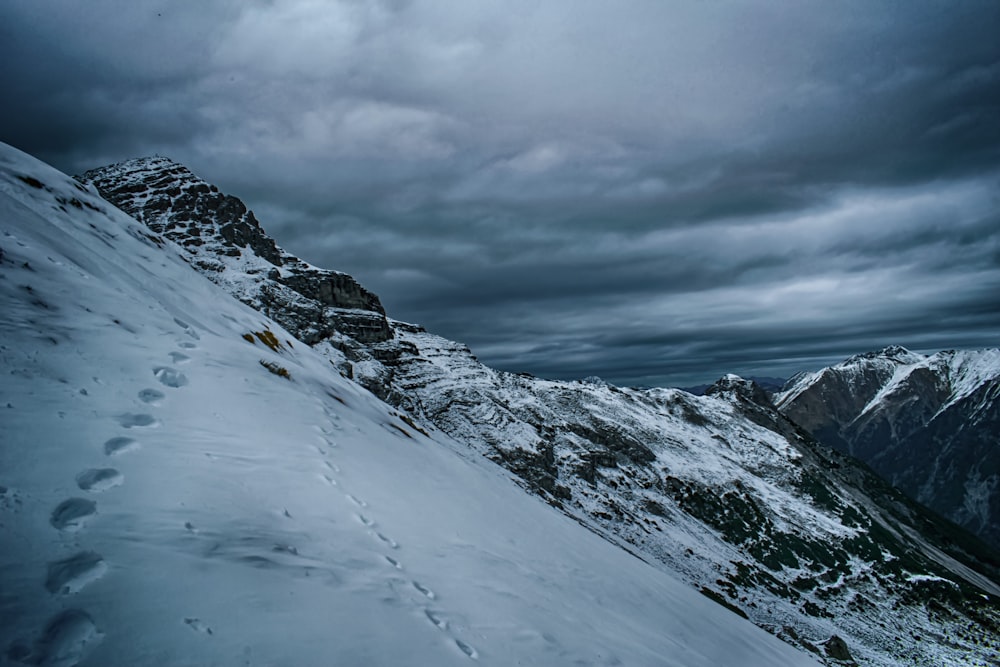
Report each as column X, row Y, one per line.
column 227, row 244
column 722, row 489
column 929, row 424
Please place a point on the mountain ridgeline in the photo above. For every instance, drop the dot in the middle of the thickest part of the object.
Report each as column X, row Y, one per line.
column 722, row 490
column 928, row 424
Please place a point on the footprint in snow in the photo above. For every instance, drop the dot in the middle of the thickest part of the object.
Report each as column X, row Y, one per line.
column 151, row 396
column 426, row 592
column 466, row 649
column 96, row 480
column 188, row 329
column 179, row 357
column 357, row 501
column 393, row 544
column 436, row 619
column 332, row 466
column 71, row 514
column 170, row 377
column 329, row 480
column 120, row 445
column 186, row 345
column 365, row 520
column 133, row 420
column 395, row 563
column 70, row 575
column 65, row 639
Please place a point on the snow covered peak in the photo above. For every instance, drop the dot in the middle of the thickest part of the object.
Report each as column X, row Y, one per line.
column 143, row 176
column 894, row 353
column 861, row 377
column 874, row 376
column 928, row 423
column 151, row 163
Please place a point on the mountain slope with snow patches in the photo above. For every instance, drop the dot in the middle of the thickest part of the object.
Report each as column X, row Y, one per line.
column 928, row 424
column 721, row 490
column 184, row 483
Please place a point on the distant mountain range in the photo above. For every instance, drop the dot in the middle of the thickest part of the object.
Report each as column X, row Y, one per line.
column 929, row 424
column 722, row 490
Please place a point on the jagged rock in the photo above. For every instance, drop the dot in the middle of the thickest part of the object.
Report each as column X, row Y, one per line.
column 218, row 229
column 736, row 386
column 836, row 648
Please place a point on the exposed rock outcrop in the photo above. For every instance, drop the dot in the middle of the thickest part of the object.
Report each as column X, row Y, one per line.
column 227, row 243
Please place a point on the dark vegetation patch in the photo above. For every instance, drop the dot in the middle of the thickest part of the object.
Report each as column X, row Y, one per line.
column 717, row 597
column 32, row 181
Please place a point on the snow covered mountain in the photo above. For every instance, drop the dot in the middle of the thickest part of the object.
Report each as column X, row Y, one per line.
column 929, row 424
column 721, row 490
column 182, row 482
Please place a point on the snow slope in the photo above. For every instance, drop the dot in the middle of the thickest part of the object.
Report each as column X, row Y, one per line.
column 167, row 499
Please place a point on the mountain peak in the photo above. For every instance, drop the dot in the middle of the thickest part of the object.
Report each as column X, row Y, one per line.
column 143, row 169
column 154, row 161
column 924, row 422
column 895, row 353
column 731, row 384
column 227, row 243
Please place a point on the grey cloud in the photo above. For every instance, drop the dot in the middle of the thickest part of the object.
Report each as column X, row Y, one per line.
column 656, row 193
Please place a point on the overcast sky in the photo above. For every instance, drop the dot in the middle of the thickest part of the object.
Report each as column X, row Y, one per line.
column 652, row 191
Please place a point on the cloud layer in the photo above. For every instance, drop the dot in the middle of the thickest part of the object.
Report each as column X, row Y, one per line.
column 652, row 192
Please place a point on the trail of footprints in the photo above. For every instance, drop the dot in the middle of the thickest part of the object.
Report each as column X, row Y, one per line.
column 67, row 634
column 70, row 632
column 434, row 616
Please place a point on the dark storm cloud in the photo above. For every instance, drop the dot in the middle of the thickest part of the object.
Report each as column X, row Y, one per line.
column 653, row 192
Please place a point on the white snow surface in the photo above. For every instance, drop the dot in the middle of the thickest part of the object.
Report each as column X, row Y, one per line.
column 166, row 499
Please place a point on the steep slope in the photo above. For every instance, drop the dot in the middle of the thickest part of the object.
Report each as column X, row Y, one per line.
column 183, row 483
column 721, row 489
column 929, row 424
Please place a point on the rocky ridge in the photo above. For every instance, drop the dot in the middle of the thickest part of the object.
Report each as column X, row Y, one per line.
column 226, row 243
column 723, row 489
column 928, row 424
